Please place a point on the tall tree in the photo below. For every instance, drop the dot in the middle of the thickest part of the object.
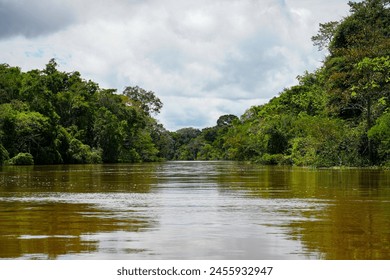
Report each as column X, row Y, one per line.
column 145, row 100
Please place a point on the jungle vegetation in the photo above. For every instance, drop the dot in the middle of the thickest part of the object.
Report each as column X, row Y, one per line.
column 337, row 115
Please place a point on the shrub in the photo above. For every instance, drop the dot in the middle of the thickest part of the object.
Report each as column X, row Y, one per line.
column 22, row 159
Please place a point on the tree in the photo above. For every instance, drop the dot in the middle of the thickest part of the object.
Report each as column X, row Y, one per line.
column 59, row 117
column 108, row 135
column 143, row 146
column 325, row 35
column 323, row 141
column 372, row 88
column 10, row 83
column 74, row 102
column 226, row 120
column 7, row 127
column 34, row 91
column 379, row 134
column 185, row 144
column 363, row 33
column 147, row 101
column 35, row 135
column 163, row 140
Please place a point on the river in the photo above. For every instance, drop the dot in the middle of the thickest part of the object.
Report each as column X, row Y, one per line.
column 193, row 210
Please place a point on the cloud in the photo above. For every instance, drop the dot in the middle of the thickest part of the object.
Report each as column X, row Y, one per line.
column 202, row 58
column 33, row 18
column 201, row 112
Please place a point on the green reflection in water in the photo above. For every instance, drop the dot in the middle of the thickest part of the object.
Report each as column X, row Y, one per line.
column 355, row 222
column 53, row 211
column 78, row 178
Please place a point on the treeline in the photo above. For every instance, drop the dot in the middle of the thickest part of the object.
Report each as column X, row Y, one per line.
column 49, row 117
column 337, row 115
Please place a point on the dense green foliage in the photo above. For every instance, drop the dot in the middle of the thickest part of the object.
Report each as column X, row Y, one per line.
column 337, row 115
column 22, row 159
column 57, row 117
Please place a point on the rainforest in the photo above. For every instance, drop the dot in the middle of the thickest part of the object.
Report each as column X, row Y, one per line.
column 337, row 115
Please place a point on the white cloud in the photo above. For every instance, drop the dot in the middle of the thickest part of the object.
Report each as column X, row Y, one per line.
column 221, row 57
column 201, row 112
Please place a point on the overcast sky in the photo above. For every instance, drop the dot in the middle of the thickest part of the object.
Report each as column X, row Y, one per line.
column 202, row 58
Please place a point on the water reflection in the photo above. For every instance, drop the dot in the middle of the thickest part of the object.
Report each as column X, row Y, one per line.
column 193, row 210
column 350, row 230
column 343, row 214
column 52, row 211
column 79, row 178
column 356, row 223
column 41, row 229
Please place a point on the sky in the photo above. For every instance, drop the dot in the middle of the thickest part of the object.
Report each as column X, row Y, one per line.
column 202, row 58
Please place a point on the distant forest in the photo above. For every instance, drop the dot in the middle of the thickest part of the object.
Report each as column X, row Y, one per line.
column 336, row 116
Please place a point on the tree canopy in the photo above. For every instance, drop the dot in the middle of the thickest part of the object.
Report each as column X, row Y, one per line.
column 58, row 117
column 337, row 115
